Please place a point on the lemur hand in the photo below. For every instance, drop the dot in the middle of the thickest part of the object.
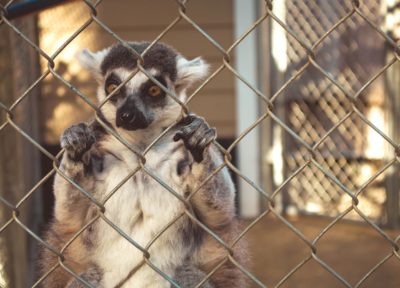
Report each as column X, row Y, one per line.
column 76, row 140
column 196, row 135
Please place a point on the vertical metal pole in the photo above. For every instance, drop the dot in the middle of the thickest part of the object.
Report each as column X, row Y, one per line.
column 247, row 107
column 393, row 109
column 392, row 85
column 266, row 129
column 278, row 66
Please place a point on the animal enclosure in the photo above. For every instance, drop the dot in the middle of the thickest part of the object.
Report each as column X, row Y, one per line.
column 304, row 95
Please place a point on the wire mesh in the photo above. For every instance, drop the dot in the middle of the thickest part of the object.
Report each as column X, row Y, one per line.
column 319, row 104
column 309, row 160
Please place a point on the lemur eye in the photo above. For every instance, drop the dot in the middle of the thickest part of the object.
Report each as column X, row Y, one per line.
column 111, row 87
column 154, row 91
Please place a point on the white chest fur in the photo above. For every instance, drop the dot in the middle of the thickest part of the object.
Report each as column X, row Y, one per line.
column 141, row 208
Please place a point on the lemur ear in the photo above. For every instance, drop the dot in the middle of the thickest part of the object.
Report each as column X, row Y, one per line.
column 92, row 60
column 190, row 71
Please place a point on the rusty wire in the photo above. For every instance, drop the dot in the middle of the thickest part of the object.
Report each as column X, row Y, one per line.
column 268, row 102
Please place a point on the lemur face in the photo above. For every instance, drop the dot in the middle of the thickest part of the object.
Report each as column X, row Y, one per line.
column 140, row 103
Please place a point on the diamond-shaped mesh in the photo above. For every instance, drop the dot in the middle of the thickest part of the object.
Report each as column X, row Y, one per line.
column 315, row 104
column 326, row 121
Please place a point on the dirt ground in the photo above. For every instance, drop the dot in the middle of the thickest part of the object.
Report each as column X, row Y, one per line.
column 352, row 249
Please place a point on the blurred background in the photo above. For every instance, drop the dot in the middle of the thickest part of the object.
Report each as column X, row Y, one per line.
column 274, row 58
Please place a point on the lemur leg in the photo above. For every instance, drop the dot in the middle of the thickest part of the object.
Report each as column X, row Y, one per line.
column 188, row 276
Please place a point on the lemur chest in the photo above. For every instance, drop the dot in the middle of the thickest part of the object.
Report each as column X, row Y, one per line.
column 140, row 208
column 143, row 195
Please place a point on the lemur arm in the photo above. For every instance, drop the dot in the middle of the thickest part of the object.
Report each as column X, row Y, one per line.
column 215, row 200
column 215, row 207
column 70, row 203
column 213, row 204
column 70, row 207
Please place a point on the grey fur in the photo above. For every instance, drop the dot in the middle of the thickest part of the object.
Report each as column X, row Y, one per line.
column 93, row 276
column 160, row 56
column 184, row 165
column 192, row 234
column 76, row 140
column 189, row 276
column 90, row 235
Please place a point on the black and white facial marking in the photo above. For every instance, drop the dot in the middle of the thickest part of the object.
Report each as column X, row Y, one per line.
column 140, row 103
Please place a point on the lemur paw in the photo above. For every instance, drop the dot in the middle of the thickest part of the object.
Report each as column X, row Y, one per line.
column 196, row 135
column 76, row 140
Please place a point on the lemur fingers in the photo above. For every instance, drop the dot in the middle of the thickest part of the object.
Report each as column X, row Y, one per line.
column 196, row 135
column 76, row 140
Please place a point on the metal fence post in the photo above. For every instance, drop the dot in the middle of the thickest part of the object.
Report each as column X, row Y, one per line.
column 247, row 107
column 392, row 182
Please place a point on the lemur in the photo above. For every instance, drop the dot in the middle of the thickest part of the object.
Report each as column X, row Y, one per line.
column 183, row 158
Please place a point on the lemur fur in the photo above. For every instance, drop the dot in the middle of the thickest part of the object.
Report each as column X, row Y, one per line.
column 183, row 158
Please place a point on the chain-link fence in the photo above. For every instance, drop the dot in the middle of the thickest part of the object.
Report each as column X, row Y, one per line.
column 315, row 108
column 319, row 104
column 325, row 129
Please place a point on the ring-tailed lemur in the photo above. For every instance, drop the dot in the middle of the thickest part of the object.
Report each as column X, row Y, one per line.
column 183, row 158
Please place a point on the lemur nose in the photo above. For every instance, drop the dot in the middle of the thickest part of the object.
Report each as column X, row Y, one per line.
column 127, row 117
